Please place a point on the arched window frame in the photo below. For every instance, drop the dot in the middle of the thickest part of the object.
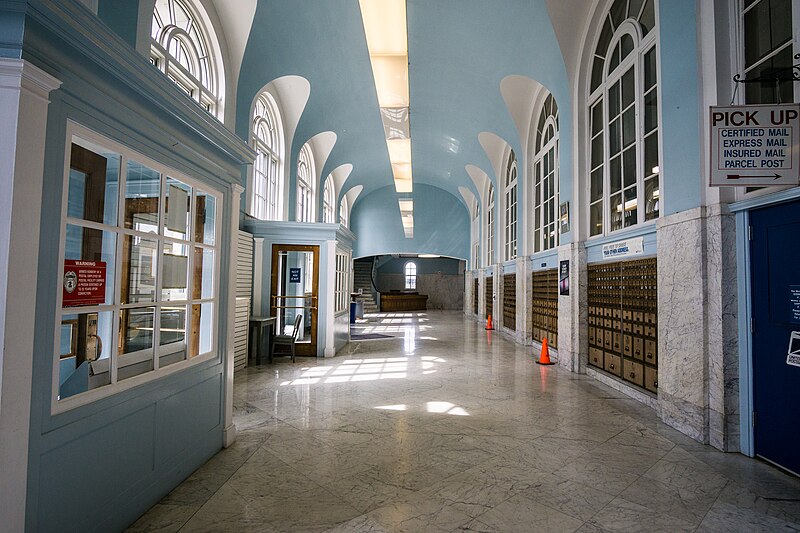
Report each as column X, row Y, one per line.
column 410, row 273
column 476, row 234
column 329, row 201
column 185, row 48
column 305, row 184
column 490, row 226
column 510, row 190
column 631, row 164
column 344, row 213
column 267, row 185
column 545, row 177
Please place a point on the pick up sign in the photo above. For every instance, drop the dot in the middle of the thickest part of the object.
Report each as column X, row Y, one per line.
column 755, row 145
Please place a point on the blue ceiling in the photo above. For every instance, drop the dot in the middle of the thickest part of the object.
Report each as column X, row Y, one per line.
column 459, row 51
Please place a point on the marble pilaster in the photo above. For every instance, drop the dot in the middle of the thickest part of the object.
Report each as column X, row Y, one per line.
column 573, row 312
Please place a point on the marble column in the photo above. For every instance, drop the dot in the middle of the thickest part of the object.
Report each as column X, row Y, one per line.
column 522, row 283
column 526, row 291
column 573, row 317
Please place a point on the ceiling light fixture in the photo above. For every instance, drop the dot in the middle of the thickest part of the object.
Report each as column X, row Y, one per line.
column 387, row 40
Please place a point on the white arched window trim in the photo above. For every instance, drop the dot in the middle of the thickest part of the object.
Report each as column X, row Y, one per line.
column 329, row 201
column 305, row 184
column 475, row 241
column 185, row 47
column 545, row 176
column 410, row 273
column 510, row 203
column 266, row 181
column 624, row 188
column 344, row 213
column 490, row 204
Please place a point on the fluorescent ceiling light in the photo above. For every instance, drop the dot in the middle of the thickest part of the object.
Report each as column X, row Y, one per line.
column 406, row 206
column 385, row 26
column 391, row 80
column 400, row 151
column 404, row 186
column 428, row 256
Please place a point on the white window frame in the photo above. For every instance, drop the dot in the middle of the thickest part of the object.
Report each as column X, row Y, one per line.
column 344, row 213
column 75, row 133
column 329, row 201
column 266, row 137
column 511, row 203
column 410, row 275
column 305, row 184
column 342, row 290
column 490, row 205
column 206, row 84
column 635, row 61
column 476, row 234
column 738, row 65
column 545, row 155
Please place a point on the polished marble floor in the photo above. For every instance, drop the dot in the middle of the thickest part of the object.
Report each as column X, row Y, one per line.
column 446, row 427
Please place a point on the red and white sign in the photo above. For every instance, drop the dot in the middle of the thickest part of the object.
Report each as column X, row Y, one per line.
column 84, row 283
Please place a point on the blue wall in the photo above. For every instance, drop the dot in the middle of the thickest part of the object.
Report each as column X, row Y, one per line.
column 121, row 16
column 681, row 114
column 441, row 224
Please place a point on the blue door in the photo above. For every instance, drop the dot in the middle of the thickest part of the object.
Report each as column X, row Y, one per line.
column 775, row 278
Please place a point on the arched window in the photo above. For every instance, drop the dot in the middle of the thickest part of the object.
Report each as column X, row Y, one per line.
column 184, row 48
column 344, row 213
column 267, row 134
column 490, row 227
column 624, row 166
column 545, row 177
column 476, row 234
column 411, row 275
column 328, row 202
column 305, row 185
column 511, row 207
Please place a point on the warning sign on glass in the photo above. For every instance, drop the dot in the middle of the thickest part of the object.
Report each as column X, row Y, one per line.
column 84, row 283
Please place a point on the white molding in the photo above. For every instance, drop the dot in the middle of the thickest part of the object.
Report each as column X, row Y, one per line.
column 229, row 433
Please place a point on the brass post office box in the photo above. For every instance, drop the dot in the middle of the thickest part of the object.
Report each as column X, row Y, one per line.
column 591, row 320
column 613, row 363
column 616, row 325
column 650, row 379
column 607, row 339
column 650, row 351
column 638, row 348
column 650, row 331
column 638, row 328
column 616, row 313
column 638, row 316
column 634, row 372
column 596, row 357
column 617, row 336
column 627, row 327
column 627, row 345
column 627, row 315
column 607, row 323
column 554, row 342
column 607, row 312
column 650, row 318
column 591, row 335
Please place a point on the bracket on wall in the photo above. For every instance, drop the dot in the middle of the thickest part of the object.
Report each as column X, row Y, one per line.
column 774, row 75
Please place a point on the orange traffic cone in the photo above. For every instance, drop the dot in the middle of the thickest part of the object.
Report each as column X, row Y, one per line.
column 489, row 323
column 544, row 357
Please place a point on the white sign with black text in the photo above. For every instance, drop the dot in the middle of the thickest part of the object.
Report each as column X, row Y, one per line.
column 755, row 145
column 623, row 248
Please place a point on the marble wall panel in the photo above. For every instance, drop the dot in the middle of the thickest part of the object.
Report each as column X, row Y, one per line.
column 573, row 315
column 444, row 291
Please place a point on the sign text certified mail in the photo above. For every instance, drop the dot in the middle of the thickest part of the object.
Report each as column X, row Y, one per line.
column 755, row 145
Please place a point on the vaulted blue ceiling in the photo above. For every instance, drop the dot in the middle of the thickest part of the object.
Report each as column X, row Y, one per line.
column 459, row 51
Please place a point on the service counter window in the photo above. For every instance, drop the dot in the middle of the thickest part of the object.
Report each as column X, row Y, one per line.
column 140, row 271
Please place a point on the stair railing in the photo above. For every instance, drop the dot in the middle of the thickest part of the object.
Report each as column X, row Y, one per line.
column 373, row 271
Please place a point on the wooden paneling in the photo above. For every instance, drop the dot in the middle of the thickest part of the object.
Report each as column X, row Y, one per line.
column 510, row 301
column 403, row 302
column 544, row 310
column 623, row 320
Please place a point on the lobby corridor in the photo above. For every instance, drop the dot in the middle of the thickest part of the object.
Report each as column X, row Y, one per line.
column 442, row 426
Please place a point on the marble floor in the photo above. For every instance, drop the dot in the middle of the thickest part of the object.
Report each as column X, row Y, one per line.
column 446, row 427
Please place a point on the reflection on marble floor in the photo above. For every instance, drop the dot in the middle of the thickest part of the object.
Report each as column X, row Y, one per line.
column 448, row 427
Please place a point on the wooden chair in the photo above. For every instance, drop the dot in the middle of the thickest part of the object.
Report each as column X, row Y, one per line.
column 287, row 340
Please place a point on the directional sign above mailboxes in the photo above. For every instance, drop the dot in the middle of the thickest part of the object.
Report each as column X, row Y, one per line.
column 755, row 145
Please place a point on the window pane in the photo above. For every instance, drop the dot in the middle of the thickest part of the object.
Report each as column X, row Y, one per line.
column 203, row 274
column 613, row 101
column 615, row 209
column 597, row 117
column 597, row 184
column 174, row 272
column 618, row 12
column 205, row 218
column 139, row 263
column 765, row 93
column 613, row 60
column 615, row 144
column 648, row 18
column 596, row 219
column 629, row 166
column 597, row 72
column 628, row 127
column 756, row 33
column 650, row 64
column 178, row 207
column 616, row 174
column 780, row 17
column 628, row 88
column 650, row 154
column 136, row 329
column 626, row 43
column 201, row 329
column 89, row 259
column 172, row 335
column 93, row 185
column 142, row 192
column 650, row 111
column 631, row 207
column 85, row 352
column 605, row 38
column 597, row 151
column 651, row 197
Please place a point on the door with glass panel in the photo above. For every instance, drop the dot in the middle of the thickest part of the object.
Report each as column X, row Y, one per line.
column 295, row 290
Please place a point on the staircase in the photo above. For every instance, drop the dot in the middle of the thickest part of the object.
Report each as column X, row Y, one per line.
column 362, row 279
